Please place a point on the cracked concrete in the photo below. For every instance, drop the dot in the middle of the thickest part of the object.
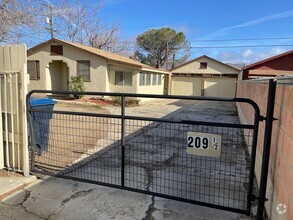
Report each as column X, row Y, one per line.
column 150, row 210
column 56, row 198
column 155, row 161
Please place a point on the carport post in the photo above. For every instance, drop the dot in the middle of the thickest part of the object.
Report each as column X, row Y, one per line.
column 266, row 148
column 122, row 139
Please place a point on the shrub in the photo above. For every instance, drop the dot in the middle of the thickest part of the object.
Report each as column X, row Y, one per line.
column 128, row 101
column 76, row 85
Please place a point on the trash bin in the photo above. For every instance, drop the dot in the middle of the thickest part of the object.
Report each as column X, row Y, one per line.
column 41, row 121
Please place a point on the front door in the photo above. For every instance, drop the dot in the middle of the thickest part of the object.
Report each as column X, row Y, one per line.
column 59, row 75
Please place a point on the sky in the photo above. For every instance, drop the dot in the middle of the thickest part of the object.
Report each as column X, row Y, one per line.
column 232, row 31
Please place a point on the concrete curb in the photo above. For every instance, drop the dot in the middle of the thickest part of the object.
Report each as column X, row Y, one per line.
column 10, row 185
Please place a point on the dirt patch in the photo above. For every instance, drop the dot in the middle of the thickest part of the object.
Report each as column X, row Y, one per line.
column 85, row 101
column 64, row 138
column 100, row 102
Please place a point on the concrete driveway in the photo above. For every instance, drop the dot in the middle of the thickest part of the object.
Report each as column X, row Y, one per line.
column 55, row 198
column 156, row 161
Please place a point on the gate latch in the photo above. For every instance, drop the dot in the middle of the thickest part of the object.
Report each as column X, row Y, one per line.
column 264, row 118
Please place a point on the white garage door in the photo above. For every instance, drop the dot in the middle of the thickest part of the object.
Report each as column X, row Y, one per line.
column 186, row 86
column 221, row 87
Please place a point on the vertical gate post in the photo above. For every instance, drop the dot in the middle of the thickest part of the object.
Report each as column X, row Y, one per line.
column 266, row 148
column 250, row 196
column 122, row 139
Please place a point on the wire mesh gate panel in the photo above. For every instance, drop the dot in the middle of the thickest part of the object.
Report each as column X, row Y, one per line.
column 148, row 154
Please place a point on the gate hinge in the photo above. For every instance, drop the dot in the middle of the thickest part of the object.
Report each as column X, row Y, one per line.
column 254, row 197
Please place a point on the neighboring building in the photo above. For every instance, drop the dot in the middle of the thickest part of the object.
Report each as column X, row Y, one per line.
column 204, row 76
column 52, row 63
column 279, row 65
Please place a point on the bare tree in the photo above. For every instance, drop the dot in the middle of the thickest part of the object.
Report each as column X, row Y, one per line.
column 84, row 24
column 15, row 14
column 72, row 20
column 71, row 17
column 105, row 37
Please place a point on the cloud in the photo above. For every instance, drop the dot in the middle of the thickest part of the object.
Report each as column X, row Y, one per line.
column 247, row 53
column 254, row 22
column 260, row 20
column 247, row 56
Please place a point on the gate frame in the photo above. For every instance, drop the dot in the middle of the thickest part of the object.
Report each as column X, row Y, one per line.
column 255, row 126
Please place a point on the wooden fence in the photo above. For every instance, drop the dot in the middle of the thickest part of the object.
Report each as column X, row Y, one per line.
column 13, row 121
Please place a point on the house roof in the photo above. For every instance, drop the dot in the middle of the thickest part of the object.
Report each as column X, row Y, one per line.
column 258, row 72
column 112, row 57
column 268, row 59
column 204, row 56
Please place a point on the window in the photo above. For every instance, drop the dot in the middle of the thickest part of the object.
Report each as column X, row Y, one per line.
column 148, row 79
column 154, row 76
column 56, row 49
column 159, row 79
column 83, row 69
column 33, row 69
column 123, row 78
column 142, row 77
column 203, row 65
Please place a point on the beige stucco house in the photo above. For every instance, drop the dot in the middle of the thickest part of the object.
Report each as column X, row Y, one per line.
column 52, row 63
column 204, row 76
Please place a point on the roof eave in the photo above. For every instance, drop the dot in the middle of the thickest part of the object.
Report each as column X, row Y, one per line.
column 267, row 60
column 208, row 58
column 155, row 70
column 110, row 61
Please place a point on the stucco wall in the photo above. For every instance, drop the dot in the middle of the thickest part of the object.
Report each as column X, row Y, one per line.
column 124, row 88
column 98, row 70
column 280, row 176
column 213, row 67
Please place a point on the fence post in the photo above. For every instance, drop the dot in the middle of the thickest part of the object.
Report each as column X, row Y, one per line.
column 1, row 129
column 13, row 64
column 266, row 148
column 122, row 139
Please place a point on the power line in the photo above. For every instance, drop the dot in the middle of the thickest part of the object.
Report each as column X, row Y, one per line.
column 242, row 46
column 232, row 46
column 244, row 39
column 227, row 40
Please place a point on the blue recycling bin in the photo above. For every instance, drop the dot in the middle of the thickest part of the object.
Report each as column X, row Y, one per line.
column 41, row 121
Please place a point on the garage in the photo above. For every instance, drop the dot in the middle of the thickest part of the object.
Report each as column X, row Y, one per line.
column 186, row 86
column 220, row 86
column 204, row 76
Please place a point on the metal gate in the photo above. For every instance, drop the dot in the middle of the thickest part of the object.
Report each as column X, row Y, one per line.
column 151, row 155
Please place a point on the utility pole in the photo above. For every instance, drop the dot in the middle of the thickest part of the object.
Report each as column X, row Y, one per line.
column 49, row 20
